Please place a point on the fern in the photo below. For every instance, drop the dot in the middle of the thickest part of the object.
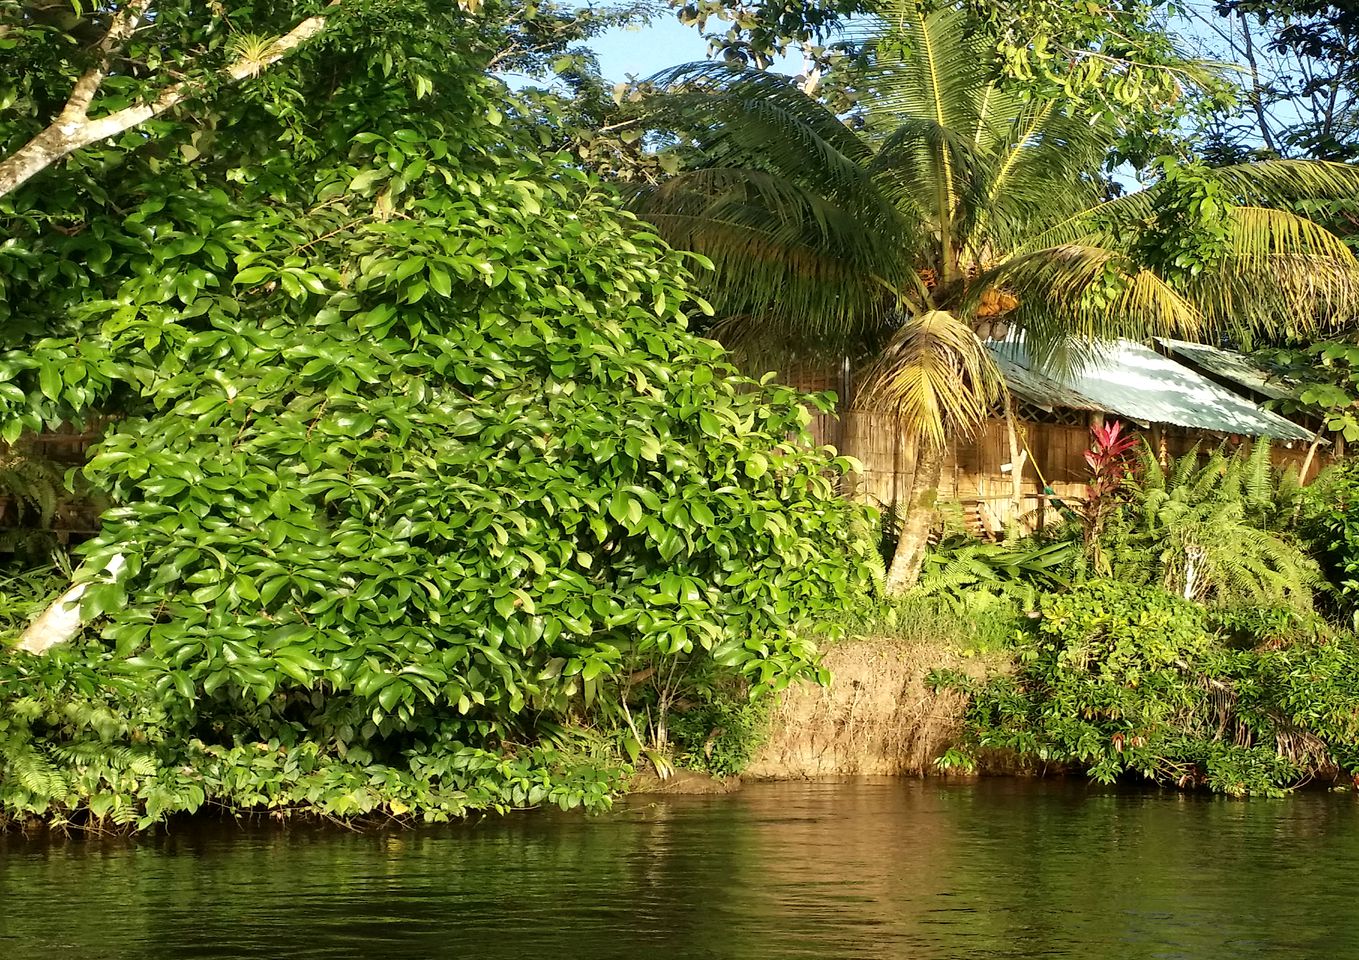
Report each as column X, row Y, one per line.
column 1259, row 479
column 1213, row 527
column 34, row 484
column 36, row 774
column 1184, row 468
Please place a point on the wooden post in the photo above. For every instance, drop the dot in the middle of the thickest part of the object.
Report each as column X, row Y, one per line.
column 1018, row 456
column 846, row 384
column 1311, row 455
column 849, row 431
column 1159, row 448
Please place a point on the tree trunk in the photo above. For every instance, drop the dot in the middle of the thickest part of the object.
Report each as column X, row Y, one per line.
column 1311, row 455
column 61, row 621
column 74, row 129
column 921, row 508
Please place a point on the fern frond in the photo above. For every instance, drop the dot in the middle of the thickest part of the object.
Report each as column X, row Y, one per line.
column 1260, row 483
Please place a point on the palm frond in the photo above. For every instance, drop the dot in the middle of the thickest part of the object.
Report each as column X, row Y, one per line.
column 936, row 376
column 707, row 99
column 817, row 275
column 1281, row 182
column 927, row 69
column 920, row 154
column 1084, row 293
column 1040, row 171
column 1280, row 271
column 925, row 65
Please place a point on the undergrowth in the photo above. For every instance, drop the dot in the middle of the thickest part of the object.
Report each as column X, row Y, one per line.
column 1118, row 680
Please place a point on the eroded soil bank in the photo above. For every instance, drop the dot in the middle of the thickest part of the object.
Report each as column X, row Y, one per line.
column 878, row 716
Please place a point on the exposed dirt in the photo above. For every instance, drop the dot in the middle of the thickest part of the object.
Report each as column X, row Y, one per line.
column 877, row 716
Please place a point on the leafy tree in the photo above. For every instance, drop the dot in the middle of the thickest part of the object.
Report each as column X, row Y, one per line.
column 1301, row 71
column 947, row 210
column 1331, row 527
column 1323, row 381
column 419, row 474
column 130, row 62
column 108, row 76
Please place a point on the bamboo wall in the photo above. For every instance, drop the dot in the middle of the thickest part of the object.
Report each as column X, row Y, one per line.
column 976, row 474
column 63, row 448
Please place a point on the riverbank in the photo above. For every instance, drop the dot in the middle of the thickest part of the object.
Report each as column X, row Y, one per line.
column 878, row 716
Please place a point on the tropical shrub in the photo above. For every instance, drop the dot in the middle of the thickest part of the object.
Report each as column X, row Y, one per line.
column 1330, row 523
column 422, row 481
column 1272, row 626
column 1120, row 680
column 719, row 729
column 1111, row 459
column 1212, row 529
column 83, row 741
column 960, row 566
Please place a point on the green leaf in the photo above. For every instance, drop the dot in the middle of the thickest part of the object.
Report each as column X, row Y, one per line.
column 49, row 380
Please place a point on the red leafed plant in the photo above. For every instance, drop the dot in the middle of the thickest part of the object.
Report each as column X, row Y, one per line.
column 1111, row 464
column 1108, row 458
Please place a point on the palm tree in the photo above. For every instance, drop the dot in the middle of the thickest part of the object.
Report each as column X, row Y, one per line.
column 946, row 209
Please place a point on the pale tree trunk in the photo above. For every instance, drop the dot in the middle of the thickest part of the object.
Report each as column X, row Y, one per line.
column 73, row 128
column 60, row 622
column 921, row 509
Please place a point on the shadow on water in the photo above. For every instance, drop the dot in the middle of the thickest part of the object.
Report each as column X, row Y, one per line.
column 891, row 869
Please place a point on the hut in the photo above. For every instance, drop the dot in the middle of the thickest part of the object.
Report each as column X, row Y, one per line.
column 1013, row 469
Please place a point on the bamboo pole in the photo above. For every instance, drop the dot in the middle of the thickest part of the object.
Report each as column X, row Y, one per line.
column 1018, row 456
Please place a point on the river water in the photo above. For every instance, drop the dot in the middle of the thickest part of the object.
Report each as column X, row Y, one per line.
column 883, row 869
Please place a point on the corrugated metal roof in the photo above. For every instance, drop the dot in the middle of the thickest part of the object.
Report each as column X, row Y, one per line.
column 1228, row 364
column 1129, row 380
column 1038, row 390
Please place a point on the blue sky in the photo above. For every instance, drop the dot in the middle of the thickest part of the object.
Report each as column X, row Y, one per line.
column 643, row 51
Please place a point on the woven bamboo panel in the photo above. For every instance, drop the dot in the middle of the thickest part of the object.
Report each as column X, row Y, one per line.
column 1055, row 462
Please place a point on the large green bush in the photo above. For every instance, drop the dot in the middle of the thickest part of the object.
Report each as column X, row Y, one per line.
column 1119, row 680
column 422, row 478
column 1330, row 522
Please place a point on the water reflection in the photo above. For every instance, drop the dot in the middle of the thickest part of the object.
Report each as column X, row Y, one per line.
column 889, row 869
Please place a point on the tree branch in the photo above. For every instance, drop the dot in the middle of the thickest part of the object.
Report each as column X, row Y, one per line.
column 122, row 27
column 61, row 621
column 1257, row 94
column 74, row 129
